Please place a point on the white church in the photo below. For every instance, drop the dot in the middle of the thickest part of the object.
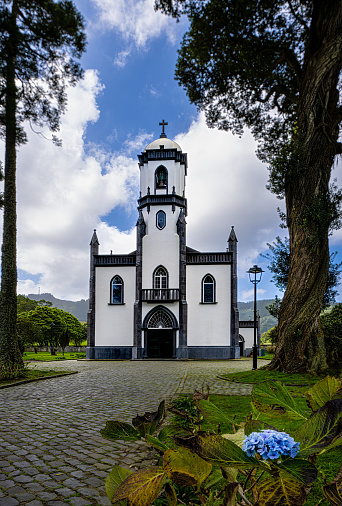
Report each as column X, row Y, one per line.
column 165, row 300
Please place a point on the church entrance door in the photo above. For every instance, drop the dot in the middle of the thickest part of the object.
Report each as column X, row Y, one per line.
column 159, row 343
column 160, row 327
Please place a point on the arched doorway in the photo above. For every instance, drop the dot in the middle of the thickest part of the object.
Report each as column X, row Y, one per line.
column 160, row 326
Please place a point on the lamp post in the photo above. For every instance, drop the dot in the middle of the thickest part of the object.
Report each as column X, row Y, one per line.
column 255, row 274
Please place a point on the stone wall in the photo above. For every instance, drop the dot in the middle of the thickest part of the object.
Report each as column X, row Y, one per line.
column 71, row 349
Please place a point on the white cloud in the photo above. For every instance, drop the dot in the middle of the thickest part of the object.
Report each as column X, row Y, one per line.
column 225, row 187
column 121, row 58
column 62, row 193
column 249, row 294
column 138, row 143
column 136, row 22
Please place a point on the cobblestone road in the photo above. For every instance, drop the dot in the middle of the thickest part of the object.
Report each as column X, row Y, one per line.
column 51, row 450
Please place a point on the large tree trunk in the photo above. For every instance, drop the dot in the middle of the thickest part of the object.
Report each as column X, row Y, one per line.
column 309, row 210
column 10, row 356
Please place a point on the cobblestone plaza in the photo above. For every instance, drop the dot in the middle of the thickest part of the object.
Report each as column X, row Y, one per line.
column 51, row 449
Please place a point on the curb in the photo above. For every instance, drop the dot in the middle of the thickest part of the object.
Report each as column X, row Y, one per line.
column 22, row 382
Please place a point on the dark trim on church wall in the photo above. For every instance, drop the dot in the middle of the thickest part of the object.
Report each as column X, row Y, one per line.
column 109, row 352
column 94, row 250
column 234, row 323
column 137, row 333
column 163, row 154
column 158, row 200
column 183, row 306
column 198, row 258
column 213, row 352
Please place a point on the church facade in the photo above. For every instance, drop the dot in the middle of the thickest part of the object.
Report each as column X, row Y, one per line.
column 165, row 299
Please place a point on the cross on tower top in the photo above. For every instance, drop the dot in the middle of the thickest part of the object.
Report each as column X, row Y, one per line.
column 163, row 124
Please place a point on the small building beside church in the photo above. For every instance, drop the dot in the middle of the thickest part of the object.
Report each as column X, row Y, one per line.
column 165, row 299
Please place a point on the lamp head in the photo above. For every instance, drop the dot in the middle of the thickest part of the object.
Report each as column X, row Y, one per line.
column 255, row 274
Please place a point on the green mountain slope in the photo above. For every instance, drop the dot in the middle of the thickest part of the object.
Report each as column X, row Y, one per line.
column 77, row 308
column 80, row 308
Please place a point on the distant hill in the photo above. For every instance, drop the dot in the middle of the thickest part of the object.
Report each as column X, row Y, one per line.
column 77, row 308
column 246, row 311
column 80, row 309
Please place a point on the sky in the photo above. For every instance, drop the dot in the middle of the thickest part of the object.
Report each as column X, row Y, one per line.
column 92, row 181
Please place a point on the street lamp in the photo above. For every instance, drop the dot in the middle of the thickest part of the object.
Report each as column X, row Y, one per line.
column 255, row 274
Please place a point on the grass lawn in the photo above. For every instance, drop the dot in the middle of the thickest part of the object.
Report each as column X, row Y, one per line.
column 45, row 356
column 32, row 375
column 260, row 375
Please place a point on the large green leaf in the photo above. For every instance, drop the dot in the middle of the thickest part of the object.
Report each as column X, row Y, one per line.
column 141, row 488
column 215, row 479
column 333, row 492
column 185, row 467
column 322, row 431
column 212, row 414
column 120, row 430
column 156, row 443
column 169, row 432
column 257, row 426
column 114, row 479
column 218, row 450
column 280, row 491
column 300, row 469
column 324, row 391
column 149, row 422
column 274, row 399
column 237, row 438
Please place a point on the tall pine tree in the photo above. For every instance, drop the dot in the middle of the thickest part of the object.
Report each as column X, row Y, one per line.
column 274, row 66
column 40, row 44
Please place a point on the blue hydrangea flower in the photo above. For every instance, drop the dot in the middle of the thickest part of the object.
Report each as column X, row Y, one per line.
column 270, row 444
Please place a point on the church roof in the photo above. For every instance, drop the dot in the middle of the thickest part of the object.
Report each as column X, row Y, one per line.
column 165, row 142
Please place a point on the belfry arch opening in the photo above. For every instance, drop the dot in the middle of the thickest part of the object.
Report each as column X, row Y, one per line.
column 160, row 326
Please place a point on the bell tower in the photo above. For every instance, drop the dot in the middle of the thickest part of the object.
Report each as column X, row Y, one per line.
column 162, row 207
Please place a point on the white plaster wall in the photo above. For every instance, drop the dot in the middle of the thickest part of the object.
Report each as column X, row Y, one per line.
column 160, row 247
column 208, row 324
column 114, row 323
column 176, row 176
column 248, row 335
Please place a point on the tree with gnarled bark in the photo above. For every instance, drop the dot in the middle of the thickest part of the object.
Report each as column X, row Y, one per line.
column 40, row 43
column 274, row 66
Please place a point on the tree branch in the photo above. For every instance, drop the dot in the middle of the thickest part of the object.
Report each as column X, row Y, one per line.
column 298, row 18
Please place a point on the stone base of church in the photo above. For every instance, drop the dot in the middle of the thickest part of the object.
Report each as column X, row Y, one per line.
column 109, row 352
column 182, row 353
column 208, row 352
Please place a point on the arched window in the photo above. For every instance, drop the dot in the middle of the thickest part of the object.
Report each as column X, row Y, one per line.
column 208, row 289
column 160, row 319
column 160, row 278
column 116, row 290
column 161, row 178
column 161, row 220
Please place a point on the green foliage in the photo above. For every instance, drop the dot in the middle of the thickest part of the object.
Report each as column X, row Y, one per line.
column 271, row 336
column 216, row 470
column 332, row 328
column 279, row 264
column 274, row 307
column 46, row 325
column 24, row 304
